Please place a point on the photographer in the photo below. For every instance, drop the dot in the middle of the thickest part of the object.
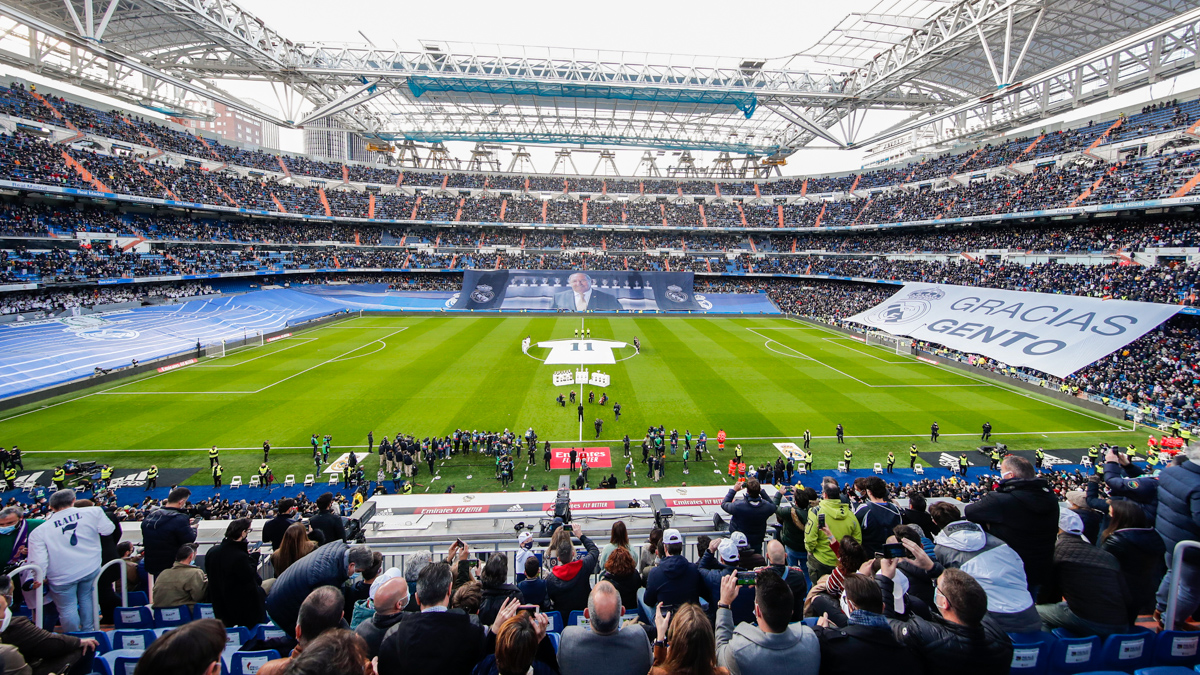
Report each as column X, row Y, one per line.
column 748, row 516
column 720, row 561
column 963, row 637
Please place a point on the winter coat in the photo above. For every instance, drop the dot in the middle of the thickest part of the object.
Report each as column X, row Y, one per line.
column 713, row 572
column 1139, row 551
column 841, row 522
column 234, row 587
column 857, row 649
column 1023, row 513
column 441, row 643
column 373, row 629
column 627, row 586
column 325, row 566
column 164, row 531
column 1090, row 580
column 328, row 524
column 791, row 535
column 877, row 521
column 675, row 581
column 749, row 516
column 1128, row 482
column 493, row 598
column 995, row 565
column 947, row 648
column 569, row 585
column 747, row 650
column 1178, row 516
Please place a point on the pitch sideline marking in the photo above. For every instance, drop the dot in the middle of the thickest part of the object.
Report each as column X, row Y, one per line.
column 853, row 342
column 1014, row 390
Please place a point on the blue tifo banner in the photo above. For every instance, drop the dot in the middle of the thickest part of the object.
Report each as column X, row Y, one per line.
column 575, row 290
column 1056, row 334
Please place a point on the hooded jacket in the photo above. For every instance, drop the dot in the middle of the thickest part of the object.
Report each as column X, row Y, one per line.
column 569, row 585
column 994, row 564
column 163, row 532
column 1140, row 554
column 947, row 648
column 325, row 566
column 1023, row 513
column 747, row 649
column 749, row 516
column 493, row 598
column 674, row 581
column 841, row 522
column 1178, row 516
column 791, row 533
column 714, row 570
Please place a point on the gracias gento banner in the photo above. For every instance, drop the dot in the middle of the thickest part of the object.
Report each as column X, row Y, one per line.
column 1056, row 334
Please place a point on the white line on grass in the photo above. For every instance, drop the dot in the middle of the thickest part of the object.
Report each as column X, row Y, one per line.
column 298, row 342
column 838, row 340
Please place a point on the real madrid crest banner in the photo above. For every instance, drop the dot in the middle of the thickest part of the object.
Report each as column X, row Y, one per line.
column 1056, row 334
column 577, row 290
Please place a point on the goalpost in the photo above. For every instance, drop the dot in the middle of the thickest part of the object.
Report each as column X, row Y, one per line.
column 215, row 350
column 255, row 340
column 901, row 345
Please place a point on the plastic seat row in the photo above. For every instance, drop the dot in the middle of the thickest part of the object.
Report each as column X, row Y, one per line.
column 118, row 651
column 1061, row 653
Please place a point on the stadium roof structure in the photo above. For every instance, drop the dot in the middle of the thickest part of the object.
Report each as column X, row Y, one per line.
column 953, row 68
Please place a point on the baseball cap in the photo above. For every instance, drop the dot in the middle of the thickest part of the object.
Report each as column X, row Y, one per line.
column 728, row 551
column 1070, row 522
column 388, row 575
column 524, row 537
column 672, row 536
column 739, row 539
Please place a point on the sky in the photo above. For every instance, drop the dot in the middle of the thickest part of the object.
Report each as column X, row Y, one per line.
column 775, row 29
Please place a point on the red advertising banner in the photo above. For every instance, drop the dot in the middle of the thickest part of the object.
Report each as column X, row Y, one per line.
column 597, row 458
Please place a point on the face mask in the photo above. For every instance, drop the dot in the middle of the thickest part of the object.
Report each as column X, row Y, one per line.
column 7, row 529
column 7, row 619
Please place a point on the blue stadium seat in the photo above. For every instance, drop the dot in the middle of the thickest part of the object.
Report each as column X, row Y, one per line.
column 556, row 622
column 574, row 617
column 1176, row 648
column 248, row 663
column 237, row 635
column 138, row 598
column 119, row 661
column 1128, row 651
column 101, row 637
column 1071, row 654
column 1164, row 670
column 554, row 640
column 169, row 617
column 1031, row 653
column 140, row 638
column 203, row 610
column 133, row 617
column 266, row 631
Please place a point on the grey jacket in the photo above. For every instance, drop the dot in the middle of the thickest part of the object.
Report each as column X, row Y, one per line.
column 748, row 650
column 582, row 652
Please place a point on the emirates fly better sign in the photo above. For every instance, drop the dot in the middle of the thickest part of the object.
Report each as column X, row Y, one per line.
column 1056, row 334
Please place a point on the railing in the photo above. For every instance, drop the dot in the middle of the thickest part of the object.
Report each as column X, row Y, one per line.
column 1176, row 574
column 39, row 576
column 96, row 587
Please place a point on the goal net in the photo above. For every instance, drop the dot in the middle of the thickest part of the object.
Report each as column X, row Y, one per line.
column 215, row 350
column 898, row 344
column 255, row 340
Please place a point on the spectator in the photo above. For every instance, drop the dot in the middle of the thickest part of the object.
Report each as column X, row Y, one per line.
column 918, row 570
column 294, row 546
column 568, row 585
column 1077, row 501
column 412, row 571
column 1178, row 519
column 165, row 530
column 620, row 572
column 1079, row 570
column 273, row 531
column 192, row 649
column 996, row 566
column 435, row 640
column 877, row 516
column 390, row 599
column 365, row 609
column 328, row 523
column 321, row 611
column 604, row 645
column 839, row 522
column 496, row 588
column 792, row 513
column 14, row 550
column 1125, row 480
column 533, row 588
column 329, row 565
column 619, row 537
column 183, row 583
column 467, row 598
column 67, row 547
column 774, row 644
column 867, row 640
column 748, row 516
column 675, row 581
column 793, row 577
column 686, row 644
column 720, row 561
column 335, row 652
column 916, row 514
column 524, row 553
column 1138, row 550
column 1022, row 513
column 648, row 554
column 44, row 651
column 234, row 587
column 521, row 648
column 963, row 638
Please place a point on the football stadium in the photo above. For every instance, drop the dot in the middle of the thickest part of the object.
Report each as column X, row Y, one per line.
column 329, row 348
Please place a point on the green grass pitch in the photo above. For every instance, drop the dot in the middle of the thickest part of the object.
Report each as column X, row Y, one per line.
column 763, row 380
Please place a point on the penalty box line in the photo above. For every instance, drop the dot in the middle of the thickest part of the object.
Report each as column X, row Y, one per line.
column 257, row 391
column 1011, row 389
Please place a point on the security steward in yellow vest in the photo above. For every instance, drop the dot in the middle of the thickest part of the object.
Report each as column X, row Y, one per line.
column 60, row 478
column 105, row 476
column 962, row 464
column 847, row 456
column 213, row 457
column 891, row 462
column 152, row 477
column 10, row 478
column 1094, row 458
column 216, row 474
column 995, row 459
column 912, row 456
column 264, row 472
column 1039, row 458
column 407, row 489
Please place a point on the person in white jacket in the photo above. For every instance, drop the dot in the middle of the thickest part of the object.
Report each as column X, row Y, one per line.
column 67, row 547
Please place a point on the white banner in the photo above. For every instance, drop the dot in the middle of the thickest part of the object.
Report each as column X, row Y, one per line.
column 1056, row 334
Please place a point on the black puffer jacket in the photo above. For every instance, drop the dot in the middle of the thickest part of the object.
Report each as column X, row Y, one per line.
column 493, row 598
column 947, row 648
column 1023, row 513
column 325, row 566
column 234, row 587
column 164, row 531
column 1140, row 553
